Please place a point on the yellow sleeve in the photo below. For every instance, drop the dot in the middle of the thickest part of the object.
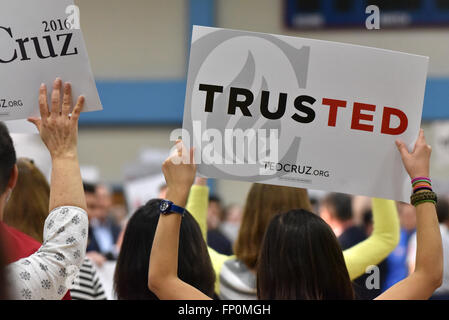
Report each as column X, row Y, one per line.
column 197, row 205
column 380, row 244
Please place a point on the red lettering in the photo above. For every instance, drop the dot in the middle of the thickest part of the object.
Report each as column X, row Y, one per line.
column 386, row 119
column 333, row 104
column 357, row 115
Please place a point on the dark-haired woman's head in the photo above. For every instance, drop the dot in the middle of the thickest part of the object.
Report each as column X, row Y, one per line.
column 131, row 274
column 301, row 259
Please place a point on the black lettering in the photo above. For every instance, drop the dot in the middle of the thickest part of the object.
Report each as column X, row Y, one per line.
column 294, row 168
column 37, row 46
column 308, row 170
column 8, row 30
column 210, row 94
column 305, row 109
column 264, row 106
column 234, row 103
column 46, row 29
column 65, row 48
column 23, row 51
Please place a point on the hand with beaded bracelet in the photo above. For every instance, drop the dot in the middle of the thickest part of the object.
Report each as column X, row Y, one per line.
column 428, row 273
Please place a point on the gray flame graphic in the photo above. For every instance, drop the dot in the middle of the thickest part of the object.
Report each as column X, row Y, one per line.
column 201, row 49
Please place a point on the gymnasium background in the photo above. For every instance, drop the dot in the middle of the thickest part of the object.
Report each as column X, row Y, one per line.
column 139, row 49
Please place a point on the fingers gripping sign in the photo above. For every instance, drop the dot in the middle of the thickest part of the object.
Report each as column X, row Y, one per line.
column 417, row 162
column 179, row 169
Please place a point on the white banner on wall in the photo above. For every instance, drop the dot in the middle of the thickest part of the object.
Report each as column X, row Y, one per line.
column 302, row 112
column 39, row 41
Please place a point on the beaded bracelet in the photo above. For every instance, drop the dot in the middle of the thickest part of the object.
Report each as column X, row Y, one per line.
column 416, row 189
column 421, row 183
column 422, row 197
column 421, row 179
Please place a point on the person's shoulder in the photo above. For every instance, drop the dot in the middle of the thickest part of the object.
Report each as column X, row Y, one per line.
column 19, row 244
column 13, row 232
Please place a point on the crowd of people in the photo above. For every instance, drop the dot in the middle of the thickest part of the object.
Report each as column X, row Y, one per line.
column 57, row 238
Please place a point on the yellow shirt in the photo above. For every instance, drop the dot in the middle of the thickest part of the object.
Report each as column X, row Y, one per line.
column 372, row 251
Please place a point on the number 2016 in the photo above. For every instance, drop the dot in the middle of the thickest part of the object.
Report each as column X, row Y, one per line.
column 56, row 25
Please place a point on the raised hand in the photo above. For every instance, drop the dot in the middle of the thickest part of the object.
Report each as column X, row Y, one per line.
column 57, row 127
column 417, row 163
column 179, row 171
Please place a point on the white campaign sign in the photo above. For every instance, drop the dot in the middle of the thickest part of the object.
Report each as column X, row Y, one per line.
column 39, row 42
column 301, row 112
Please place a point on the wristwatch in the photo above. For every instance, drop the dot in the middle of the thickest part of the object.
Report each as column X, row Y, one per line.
column 168, row 207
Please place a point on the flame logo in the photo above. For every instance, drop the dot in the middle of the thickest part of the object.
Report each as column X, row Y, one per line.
column 251, row 75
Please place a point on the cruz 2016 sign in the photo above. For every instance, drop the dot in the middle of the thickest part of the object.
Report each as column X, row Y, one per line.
column 37, row 44
column 302, row 112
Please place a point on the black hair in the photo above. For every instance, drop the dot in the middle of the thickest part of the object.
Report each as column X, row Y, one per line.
column 301, row 259
column 367, row 217
column 131, row 273
column 442, row 210
column 7, row 157
column 215, row 198
column 340, row 205
column 89, row 187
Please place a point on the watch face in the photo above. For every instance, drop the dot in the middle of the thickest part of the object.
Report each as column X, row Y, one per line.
column 164, row 206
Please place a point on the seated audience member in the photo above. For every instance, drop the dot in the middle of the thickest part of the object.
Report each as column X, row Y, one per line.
column 442, row 293
column 105, row 229
column 336, row 211
column 231, row 222
column 131, row 273
column 215, row 238
column 396, row 263
column 92, row 251
column 87, row 285
column 299, row 248
column 103, row 232
column 42, row 274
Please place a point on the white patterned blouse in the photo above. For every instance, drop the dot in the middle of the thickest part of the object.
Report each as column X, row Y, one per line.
column 49, row 272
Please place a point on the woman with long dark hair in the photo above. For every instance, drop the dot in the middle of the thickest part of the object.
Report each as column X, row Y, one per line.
column 300, row 256
column 195, row 268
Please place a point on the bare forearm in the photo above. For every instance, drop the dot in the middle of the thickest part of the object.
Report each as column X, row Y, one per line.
column 429, row 257
column 164, row 253
column 66, row 187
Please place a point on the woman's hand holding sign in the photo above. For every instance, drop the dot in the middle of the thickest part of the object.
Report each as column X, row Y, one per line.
column 417, row 162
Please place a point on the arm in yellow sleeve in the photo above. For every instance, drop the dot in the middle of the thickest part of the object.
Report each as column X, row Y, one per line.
column 197, row 205
column 380, row 244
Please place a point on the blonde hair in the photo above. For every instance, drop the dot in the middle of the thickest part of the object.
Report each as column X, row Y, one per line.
column 262, row 203
column 27, row 208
